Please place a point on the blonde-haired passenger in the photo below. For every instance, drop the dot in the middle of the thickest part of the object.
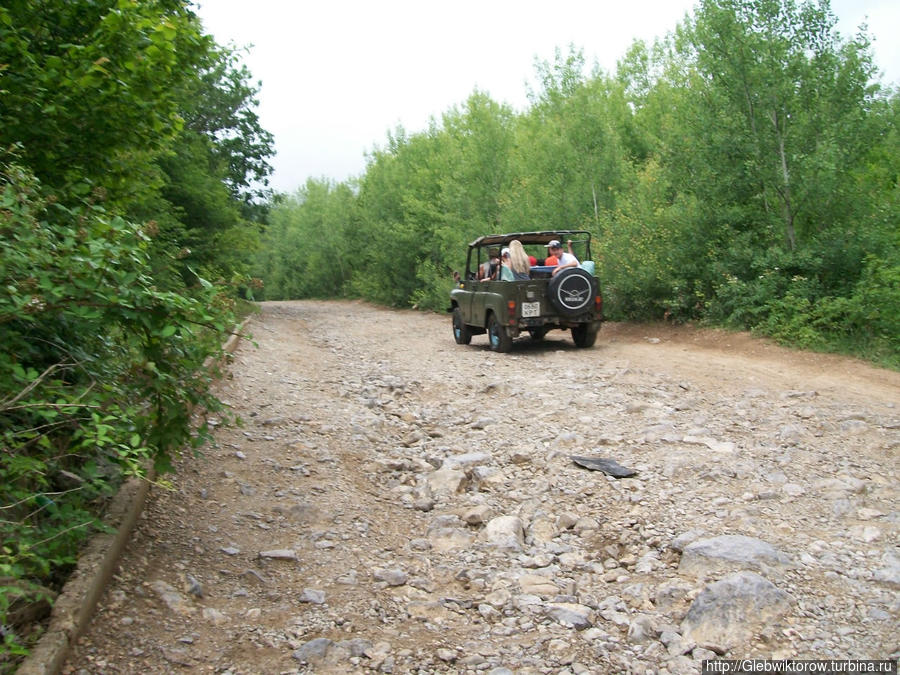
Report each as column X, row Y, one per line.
column 516, row 264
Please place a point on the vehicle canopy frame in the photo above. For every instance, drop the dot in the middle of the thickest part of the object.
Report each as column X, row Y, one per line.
column 581, row 243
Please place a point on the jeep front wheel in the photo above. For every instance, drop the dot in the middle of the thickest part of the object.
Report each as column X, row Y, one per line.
column 461, row 332
column 499, row 338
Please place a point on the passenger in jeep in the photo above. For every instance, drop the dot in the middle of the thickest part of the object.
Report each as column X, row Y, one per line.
column 490, row 269
column 517, row 267
column 549, row 261
column 565, row 258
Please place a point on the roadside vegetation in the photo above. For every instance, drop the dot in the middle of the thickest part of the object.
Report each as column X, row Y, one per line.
column 742, row 171
column 131, row 161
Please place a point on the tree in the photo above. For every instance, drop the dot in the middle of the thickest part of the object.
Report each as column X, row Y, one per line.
column 101, row 79
column 571, row 158
column 786, row 106
column 99, row 369
column 214, row 178
column 108, row 323
column 309, row 244
column 220, row 105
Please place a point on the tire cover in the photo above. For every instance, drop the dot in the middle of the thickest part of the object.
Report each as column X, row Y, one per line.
column 571, row 291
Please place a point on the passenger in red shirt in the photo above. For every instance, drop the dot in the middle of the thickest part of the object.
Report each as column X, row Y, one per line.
column 564, row 260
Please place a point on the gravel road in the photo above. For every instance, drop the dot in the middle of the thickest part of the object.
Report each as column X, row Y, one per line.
column 398, row 503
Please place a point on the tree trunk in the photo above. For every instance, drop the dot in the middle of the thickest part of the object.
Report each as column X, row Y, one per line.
column 785, row 191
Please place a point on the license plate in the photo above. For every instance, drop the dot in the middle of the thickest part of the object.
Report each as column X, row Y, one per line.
column 530, row 309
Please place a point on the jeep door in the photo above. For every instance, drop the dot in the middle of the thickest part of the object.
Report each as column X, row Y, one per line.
column 467, row 287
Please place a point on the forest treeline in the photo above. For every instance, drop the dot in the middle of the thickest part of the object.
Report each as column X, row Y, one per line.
column 742, row 171
column 132, row 187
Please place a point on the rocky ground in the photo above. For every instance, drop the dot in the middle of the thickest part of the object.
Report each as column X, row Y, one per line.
column 398, row 503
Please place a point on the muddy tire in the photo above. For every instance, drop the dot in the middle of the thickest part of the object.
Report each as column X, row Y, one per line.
column 499, row 339
column 584, row 335
column 461, row 332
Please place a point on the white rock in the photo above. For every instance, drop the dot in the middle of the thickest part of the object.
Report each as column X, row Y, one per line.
column 279, row 554
column 793, row 490
column 174, row 600
column 890, row 572
column 504, row 532
column 538, row 585
column 447, row 481
column 641, row 630
column 392, row 577
column 570, row 615
column 214, row 616
column 477, row 514
column 467, row 460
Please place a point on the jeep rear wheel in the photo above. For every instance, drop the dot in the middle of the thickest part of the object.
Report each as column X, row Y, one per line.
column 461, row 332
column 499, row 338
column 584, row 335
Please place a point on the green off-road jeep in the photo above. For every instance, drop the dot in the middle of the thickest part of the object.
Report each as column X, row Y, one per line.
column 570, row 299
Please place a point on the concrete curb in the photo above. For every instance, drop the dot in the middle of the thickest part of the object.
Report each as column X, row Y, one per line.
column 74, row 608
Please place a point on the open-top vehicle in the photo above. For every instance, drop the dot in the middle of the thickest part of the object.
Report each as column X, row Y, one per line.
column 567, row 300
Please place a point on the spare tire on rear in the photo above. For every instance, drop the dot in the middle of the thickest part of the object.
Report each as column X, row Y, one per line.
column 571, row 291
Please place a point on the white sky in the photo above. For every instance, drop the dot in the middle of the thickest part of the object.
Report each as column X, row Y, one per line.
column 338, row 75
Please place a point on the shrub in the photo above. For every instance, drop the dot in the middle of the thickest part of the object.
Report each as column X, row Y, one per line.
column 98, row 370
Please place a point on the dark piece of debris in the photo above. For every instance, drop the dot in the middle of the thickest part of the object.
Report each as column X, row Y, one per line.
column 608, row 466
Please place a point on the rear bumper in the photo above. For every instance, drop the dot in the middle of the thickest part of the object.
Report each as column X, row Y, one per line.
column 554, row 322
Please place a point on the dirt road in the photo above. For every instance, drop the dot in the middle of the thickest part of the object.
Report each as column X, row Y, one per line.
column 398, row 503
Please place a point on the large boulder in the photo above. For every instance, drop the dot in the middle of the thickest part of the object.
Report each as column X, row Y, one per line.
column 731, row 552
column 728, row 612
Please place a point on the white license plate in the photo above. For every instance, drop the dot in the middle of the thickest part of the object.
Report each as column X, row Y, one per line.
column 531, row 309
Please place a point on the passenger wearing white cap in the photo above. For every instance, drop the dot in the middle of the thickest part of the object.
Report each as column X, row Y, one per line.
column 505, row 270
column 565, row 258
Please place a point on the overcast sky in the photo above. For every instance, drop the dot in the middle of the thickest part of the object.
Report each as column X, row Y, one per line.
column 338, row 75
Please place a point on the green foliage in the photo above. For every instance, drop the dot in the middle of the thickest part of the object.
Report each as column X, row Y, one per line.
column 219, row 106
column 570, row 160
column 778, row 106
column 307, row 246
column 101, row 79
column 99, row 369
column 132, row 101
column 787, row 296
column 654, row 266
column 114, row 112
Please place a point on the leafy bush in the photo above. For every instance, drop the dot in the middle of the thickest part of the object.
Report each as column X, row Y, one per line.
column 99, row 368
column 794, row 298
